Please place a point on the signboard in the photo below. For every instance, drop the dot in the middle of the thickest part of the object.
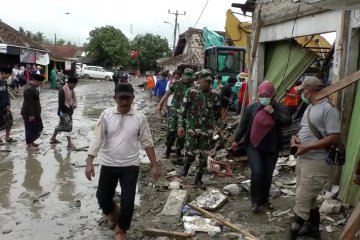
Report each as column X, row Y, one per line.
column 42, row 58
column 3, row 48
column 27, row 56
column 67, row 65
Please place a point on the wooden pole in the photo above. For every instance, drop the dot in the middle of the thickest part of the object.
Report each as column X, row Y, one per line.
column 337, row 86
column 153, row 232
column 222, row 221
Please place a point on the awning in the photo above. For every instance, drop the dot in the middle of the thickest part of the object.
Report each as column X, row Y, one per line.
column 285, row 56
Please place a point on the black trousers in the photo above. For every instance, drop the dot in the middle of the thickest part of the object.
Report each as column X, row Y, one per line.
column 262, row 165
column 108, row 180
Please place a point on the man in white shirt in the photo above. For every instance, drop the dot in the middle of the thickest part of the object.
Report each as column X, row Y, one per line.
column 119, row 133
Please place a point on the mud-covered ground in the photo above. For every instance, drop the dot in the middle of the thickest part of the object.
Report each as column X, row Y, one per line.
column 45, row 195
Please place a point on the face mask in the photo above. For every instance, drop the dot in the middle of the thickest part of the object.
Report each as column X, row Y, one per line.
column 265, row 101
column 305, row 99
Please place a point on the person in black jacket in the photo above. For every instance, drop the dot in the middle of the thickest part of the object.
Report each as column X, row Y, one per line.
column 31, row 112
column 261, row 127
column 67, row 104
column 6, row 118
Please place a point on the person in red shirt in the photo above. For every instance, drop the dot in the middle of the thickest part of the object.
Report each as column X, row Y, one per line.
column 291, row 99
column 242, row 76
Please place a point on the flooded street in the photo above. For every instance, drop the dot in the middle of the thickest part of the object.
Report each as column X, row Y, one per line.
column 41, row 193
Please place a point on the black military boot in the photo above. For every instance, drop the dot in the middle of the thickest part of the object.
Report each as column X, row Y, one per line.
column 295, row 227
column 185, row 169
column 167, row 152
column 179, row 159
column 311, row 226
column 198, row 183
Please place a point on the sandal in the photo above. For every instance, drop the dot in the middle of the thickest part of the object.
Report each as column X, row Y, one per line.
column 32, row 148
column 11, row 140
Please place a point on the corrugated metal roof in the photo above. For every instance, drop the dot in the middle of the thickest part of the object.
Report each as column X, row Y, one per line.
column 285, row 63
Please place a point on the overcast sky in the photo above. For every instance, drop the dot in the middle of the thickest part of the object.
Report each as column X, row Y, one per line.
column 145, row 16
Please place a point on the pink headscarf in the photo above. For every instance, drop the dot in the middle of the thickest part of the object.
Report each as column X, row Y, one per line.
column 266, row 87
column 263, row 121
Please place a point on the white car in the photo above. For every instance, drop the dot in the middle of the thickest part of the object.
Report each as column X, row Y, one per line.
column 95, row 72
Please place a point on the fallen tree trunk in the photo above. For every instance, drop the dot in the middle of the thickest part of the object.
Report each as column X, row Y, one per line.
column 222, row 221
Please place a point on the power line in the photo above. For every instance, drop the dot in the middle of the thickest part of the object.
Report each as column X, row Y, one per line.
column 201, row 12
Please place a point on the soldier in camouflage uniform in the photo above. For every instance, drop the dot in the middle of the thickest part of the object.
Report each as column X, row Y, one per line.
column 200, row 113
column 178, row 89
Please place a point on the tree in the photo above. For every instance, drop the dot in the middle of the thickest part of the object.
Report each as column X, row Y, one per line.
column 151, row 47
column 60, row 42
column 109, row 46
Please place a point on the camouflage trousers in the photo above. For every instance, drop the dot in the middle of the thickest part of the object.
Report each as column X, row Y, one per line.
column 197, row 145
column 171, row 134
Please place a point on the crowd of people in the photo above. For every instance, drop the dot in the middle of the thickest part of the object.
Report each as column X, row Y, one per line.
column 196, row 106
column 31, row 107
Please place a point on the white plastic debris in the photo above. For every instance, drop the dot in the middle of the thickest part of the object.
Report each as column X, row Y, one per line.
column 174, row 185
column 329, row 229
column 200, row 224
column 211, row 199
column 331, row 206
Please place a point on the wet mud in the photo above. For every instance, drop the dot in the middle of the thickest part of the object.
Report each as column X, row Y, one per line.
column 45, row 195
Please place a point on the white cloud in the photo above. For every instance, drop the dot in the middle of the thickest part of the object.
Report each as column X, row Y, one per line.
column 145, row 16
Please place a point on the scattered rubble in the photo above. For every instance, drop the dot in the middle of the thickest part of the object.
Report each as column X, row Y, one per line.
column 212, row 199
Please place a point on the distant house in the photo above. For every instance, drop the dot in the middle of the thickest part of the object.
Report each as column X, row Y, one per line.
column 64, row 57
column 189, row 51
column 15, row 48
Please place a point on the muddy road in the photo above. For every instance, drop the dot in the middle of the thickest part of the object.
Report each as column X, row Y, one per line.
column 46, row 196
column 41, row 193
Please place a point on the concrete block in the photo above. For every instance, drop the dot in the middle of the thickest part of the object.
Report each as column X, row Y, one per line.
column 212, row 199
column 171, row 212
column 331, row 206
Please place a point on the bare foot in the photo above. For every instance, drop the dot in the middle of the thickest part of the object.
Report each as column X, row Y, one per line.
column 120, row 234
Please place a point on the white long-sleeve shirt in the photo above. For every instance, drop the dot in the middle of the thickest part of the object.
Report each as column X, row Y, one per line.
column 118, row 138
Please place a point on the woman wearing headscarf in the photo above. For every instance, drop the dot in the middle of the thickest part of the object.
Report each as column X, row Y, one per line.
column 261, row 126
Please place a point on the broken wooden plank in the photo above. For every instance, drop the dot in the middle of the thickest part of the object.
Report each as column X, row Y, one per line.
column 153, row 232
column 337, row 86
column 353, row 225
column 222, row 221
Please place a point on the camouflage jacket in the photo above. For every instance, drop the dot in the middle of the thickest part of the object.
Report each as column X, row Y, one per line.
column 178, row 89
column 200, row 111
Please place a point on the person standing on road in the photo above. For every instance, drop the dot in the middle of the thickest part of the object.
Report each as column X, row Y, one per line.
column 261, row 127
column 118, row 133
column 177, row 89
column 200, row 112
column 219, row 85
column 6, row 118
column 67, row 104
column 242, row 91
column 53, row 78
column 31, row 112
column 312, row 172
column 160, row 86
column 227, row 96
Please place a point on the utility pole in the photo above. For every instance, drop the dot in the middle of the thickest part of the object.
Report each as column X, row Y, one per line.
column 176, row 13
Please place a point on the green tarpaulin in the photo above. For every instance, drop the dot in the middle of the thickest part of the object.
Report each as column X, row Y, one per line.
column 212, row 39
column 286, row 56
